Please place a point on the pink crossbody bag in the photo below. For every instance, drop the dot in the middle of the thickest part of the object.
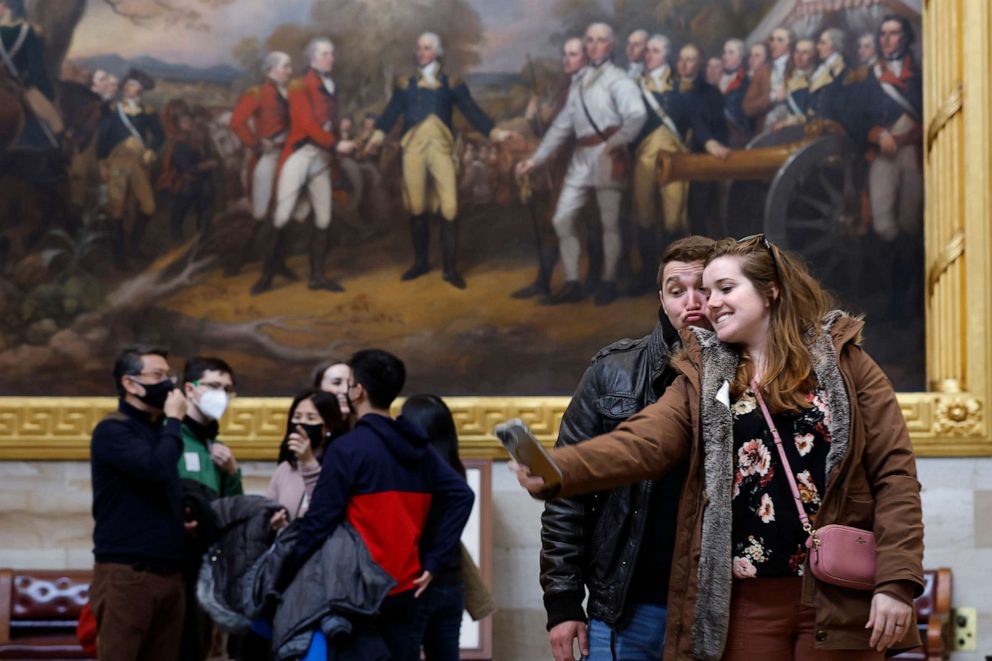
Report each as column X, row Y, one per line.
column 839, row 555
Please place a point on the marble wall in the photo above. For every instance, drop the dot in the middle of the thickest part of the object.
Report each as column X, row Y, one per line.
column 45, row 523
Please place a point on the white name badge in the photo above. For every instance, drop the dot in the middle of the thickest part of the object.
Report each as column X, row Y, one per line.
column 192, row 462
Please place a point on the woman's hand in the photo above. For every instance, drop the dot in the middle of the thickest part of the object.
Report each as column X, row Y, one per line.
column 533, row 483
column 279, row 520
column 888, row 620
column 299, row 444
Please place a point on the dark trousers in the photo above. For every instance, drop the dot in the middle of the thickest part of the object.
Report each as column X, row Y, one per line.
column 396, row 623
column 139, row 614
column 438, row 623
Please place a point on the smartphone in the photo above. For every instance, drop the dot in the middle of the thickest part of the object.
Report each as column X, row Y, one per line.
column 518, row 440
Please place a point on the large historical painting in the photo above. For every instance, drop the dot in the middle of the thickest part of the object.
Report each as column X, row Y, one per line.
column 169, row 175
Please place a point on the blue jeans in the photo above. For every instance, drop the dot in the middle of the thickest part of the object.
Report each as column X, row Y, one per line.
column 643, row 639
column 439, row 621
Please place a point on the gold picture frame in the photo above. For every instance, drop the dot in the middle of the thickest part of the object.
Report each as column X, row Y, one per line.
column 947, row 420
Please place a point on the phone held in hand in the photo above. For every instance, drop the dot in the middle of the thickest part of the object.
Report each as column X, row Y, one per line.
column 526, row 450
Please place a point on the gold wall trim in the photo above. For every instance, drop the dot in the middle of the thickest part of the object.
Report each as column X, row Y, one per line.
column 951, row 253
column 951, row 106
column 47, row 428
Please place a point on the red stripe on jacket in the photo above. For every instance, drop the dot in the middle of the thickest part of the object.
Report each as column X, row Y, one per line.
column 390, row 523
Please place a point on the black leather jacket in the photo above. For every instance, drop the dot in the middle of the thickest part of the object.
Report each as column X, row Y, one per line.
column 594, row 541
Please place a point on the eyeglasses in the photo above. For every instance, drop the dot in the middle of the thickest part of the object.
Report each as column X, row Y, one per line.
column 213, row 385
column 158, row 375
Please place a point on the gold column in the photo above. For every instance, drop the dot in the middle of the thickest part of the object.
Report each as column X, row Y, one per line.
column 957, row 159
column 943, row 165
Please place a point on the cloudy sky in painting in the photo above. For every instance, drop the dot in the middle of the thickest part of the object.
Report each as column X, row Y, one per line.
column 514, row 29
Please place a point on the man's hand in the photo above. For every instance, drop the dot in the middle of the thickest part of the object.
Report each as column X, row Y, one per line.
column 714, row 148
column 422, row 582
column 223, row 458
column 299, row 444
column 279, row 520
column 346, row 147
column 500, row 135
column 561, row 637
column 533, row 483
column 372, row 146
column 175, row 405
column 888, row 620
column 189, row 523
column 524, row 167
column 887, row 143
column 778, row 95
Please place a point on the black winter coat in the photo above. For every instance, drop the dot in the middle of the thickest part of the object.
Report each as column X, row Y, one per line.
column 245, row 534
column 594, row 541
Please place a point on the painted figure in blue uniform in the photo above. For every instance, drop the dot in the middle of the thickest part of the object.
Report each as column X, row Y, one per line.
column 703, row 106
column 22, row 60
column 128, row 137
column 891, row 112
column 426, row 101
column 797, row 84
column 826, row 85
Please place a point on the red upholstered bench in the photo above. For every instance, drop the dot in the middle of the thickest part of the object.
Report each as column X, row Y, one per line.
column 39, row 610
column 933, row 617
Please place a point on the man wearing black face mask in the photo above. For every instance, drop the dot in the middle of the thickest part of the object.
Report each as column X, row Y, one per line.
column 137, row 593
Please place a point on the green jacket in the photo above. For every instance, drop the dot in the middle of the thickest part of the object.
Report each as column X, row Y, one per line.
column 196, row 463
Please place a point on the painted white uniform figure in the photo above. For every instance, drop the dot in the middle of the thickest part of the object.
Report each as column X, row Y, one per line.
column 613, row 102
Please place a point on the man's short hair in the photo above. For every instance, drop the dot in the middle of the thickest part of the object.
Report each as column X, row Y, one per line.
column 600, row 25
column 130, row 363
column 435, row 42
column 908, row 33
column 274, row 59
column 738, row 44
column 197, row 366
column 790, row 33
column 312, row 46
column 692, row 248
column 661, row 39
column 837, row 39
column 380, row 373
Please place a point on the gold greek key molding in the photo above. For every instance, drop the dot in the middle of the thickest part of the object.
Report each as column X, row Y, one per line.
column 951, row 106
column 950, row 253
column 42, row 428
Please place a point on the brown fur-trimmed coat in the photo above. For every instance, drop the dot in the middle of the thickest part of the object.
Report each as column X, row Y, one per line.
column 871, row 483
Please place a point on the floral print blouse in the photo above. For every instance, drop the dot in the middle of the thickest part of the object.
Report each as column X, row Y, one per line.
column 768, row 537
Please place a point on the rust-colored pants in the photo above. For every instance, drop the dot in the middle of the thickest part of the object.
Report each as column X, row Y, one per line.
column 769, row 622
column 139, row 614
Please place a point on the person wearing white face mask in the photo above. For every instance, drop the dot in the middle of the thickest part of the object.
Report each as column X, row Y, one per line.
column 209, row 385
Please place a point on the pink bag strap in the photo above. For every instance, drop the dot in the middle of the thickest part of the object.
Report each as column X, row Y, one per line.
column 785, row 460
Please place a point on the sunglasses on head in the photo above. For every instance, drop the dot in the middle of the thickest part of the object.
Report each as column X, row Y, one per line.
column 771, row 251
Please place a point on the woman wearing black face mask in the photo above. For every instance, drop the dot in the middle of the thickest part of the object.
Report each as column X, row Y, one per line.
column 314, row 420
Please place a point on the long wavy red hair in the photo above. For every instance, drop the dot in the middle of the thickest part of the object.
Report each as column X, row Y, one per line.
column 796, row 313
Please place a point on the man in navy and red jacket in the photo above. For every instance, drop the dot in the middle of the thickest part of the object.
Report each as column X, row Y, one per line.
column 382, row 478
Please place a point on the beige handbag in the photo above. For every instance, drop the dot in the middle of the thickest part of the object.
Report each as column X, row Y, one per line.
column 479, row 601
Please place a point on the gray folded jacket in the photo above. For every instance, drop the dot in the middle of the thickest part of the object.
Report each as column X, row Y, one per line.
column 337, row 582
